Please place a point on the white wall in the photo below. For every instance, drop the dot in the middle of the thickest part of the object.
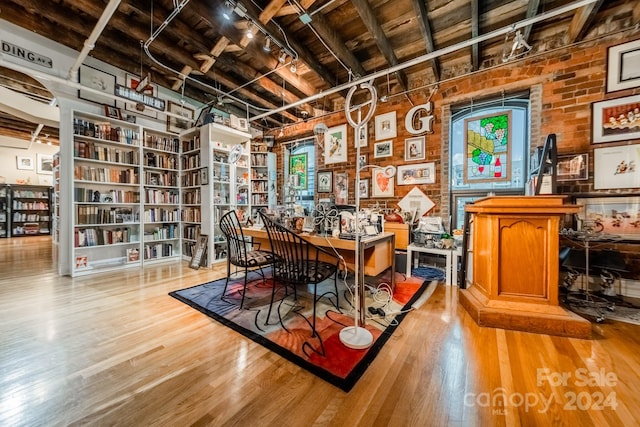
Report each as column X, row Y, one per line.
column 9, row 172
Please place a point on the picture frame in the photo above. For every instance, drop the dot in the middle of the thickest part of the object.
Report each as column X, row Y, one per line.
column 623, row 66
column 177, row 124
column 361, row 137
column 573, row 167
column 298, row 165
column 386, row 126
column 362, row 161
column 615, row 119
column 24, row 163
column 150, row 89
column 335, row 145
column 45, row 164
column 421, row 173
column 363, row 188
column 617, row 215
column 381, row 183
column 487, row 144
column 325, row 181
column 383, row 149
column 98, row 80
column 204, row 175
column 616, row 167
column 341, row 188
column 112, row 112
column 414, row 148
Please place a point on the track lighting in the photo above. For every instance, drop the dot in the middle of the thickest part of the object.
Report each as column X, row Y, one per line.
column 283, row 57
column 267, row 45
column 249, row 32
column 228, row 10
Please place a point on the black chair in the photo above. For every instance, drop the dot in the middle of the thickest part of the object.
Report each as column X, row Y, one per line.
column 240, row 252
column 297, row 263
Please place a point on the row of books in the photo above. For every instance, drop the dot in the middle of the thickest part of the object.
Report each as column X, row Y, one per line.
column 190, row 161
column 113, row 175
column 30, row 206
column 190, row 179
column 260, row 186
column 191, row 144
column 191, row 232
column 161, row 233
column 22, row 217
column 109, row 196
column 86, row 237
column 259, row 159
column 164, row 143
column 190, row 214
column 160, row 160
column 92, row 214
column 168, row 179
column 161, row 215
column 89, row 150
column 104, row 131
column 162, row 196
column 192, row 197
column 158, row 250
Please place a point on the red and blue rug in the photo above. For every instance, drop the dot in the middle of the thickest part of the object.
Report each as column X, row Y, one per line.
column 288, row 332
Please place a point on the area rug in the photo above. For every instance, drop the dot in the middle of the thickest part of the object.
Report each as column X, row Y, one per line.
column 287, row 330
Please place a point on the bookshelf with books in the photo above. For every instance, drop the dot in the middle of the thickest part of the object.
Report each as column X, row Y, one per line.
column 191, row 193
column 161, row 201
column 104, row 194
column 30, row 210
column 4, row 211
column 226, row 158
column 263, row 178
column 55, row 203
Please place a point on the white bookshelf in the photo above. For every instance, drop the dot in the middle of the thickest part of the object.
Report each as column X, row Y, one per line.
column 190, row 190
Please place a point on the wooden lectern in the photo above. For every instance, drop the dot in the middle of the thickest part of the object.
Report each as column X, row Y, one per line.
column 515, row 260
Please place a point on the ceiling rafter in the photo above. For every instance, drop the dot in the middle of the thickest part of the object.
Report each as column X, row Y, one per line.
column 371, row 22
column 582, row 20
column 532, row 10
column 475, row 32
column 420, row 8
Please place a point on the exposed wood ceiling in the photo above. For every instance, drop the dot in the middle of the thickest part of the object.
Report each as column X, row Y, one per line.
column 332, row 43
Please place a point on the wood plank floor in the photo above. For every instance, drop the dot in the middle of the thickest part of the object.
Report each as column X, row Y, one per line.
column 115, row 349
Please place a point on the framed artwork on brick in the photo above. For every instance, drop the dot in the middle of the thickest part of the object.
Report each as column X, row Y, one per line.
column 573, row 167
column 616, row 167
column 616, row 119
column 623, row 66
column 487, row 144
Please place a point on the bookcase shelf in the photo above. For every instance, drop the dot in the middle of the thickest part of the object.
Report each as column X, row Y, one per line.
column 30, row 211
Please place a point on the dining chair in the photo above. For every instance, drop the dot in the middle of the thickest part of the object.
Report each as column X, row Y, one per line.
column 240, row 252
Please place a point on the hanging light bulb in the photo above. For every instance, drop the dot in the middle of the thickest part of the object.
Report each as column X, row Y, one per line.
column 228, row 10
column 283, row 57
column 267, row 45
column 249, row 32
column 293, row 68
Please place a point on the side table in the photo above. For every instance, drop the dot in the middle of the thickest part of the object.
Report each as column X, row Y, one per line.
column 447, row 253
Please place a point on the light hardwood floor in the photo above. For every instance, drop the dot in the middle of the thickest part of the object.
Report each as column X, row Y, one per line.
column 115, row 349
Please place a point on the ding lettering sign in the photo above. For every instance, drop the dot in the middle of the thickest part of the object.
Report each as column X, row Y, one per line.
column 426, row 122
column 133, row 95
column 27, row 55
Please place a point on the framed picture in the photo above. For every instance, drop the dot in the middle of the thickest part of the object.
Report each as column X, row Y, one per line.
column 623, row 66
column 363, row 189
column 112, row 112
column 487, row 144
column 45, row 164
column 24, row 163
column 178, row 124
column 335, row 145
column 414, row 149
column 362, row 161
column 386, row 126
column 573, row 167
column 299, row 166
column 360, row 136
column 204, row 175
column 97, row 80
column 325, row 184
column 616, row 119
column 45, row 180
column 382, row 149
column 341, row 188
column 381, row 183
column 421, row 173
column 616, row 167
column 615, row 215
column 150, row 89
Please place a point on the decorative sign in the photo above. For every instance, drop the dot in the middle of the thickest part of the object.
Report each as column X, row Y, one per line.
column 199, row 257
column 132, row 95
column 426, row 122
column 27, row 55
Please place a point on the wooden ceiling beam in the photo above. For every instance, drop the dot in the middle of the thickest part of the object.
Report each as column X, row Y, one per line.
column 582, row 20
column 532, row 10
column 475, row 32
column 427, row 34
column 371, row 22
column 636, row 13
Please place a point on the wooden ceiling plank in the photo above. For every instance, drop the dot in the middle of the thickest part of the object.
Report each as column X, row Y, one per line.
column 582, row 20
column 427, row 34
column 475, row 32
column 532, row 10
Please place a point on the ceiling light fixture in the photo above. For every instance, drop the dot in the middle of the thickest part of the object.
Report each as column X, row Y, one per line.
column 228, row 10
column 294, row 67
column 249, row 32
column 267, row 45
column 283, row 57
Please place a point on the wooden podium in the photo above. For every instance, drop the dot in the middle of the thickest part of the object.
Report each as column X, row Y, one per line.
column 515, row 260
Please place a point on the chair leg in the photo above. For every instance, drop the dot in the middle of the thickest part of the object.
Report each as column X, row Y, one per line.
column 226, row 283
column 244, row 289
column 273, row 294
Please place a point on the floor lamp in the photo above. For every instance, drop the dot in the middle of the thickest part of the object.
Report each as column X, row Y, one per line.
column 356, row 336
